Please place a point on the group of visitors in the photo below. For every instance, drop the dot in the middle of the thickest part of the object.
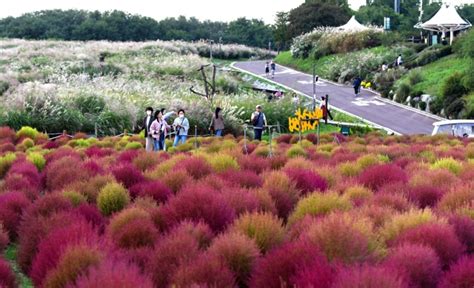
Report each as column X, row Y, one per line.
column 156, row 127
column 270, row 66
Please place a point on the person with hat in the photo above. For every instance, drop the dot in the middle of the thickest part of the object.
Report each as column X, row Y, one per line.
column 259, row 121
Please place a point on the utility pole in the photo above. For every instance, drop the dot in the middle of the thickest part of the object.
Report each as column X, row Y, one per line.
column 210, row 50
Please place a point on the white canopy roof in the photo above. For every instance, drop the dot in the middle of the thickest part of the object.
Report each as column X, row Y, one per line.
column 352, row 25
column 446, row 19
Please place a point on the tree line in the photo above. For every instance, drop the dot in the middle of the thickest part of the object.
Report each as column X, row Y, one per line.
column 120, row 26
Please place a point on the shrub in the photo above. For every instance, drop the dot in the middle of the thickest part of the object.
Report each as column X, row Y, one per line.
column 136, row 233
column 368, row 276
column 460, row 274
column 449, row 164
column 75, row 261
column 7, row 134
column 133, row 146
column 37, row 159
column 177, row 180
column 457, row 198
column 238, row 252
column 171, row 252
column 249, row 163
column 440, row 237
column 404, row 221
column 154, row 189
column 223, row 162
column 358, row 194
column 296, row 151
column 127, row 174
column 76, row 198
column 242, row 200
column 243, row 178
column 266, row 229
column 62, row 172
column 92, row 186
column 417, row 264
column 343, row 238
column 7, row 277
column 377, row 176
column 205, row 271
column 55, row 244
column 5, row 162
column 425, row 196
column 281, row 265
column 12, row 206
column 464, row 228
column 319, row 204
column 27, row 132
column 4, row 239
column 196, row 167
column 199, row 203
column 113, row 197
column 283, row 192
column 306, row 180
column 114, row 274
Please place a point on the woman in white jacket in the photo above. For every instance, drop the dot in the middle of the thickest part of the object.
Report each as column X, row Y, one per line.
column 181, row 126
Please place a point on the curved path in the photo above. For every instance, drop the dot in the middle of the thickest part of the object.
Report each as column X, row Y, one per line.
column 369, row 106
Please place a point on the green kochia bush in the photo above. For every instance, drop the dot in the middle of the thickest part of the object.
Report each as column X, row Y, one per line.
column 112, row 198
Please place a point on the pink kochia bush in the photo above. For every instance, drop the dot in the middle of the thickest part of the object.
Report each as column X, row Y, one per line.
column 306, row 180
column 368, row 276
column 153, row 189
column 199, row 203
column 460, row 274
column 128, row 175
column 377, row 176
column 7, row 277
column 418, row 265
column 281, row 266
column 12, row 206
column 441, row 237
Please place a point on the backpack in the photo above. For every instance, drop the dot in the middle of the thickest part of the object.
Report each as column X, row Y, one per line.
column 256, row 120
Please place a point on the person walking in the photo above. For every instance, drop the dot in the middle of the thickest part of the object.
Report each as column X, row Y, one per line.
column 296, row 100
column 325, row 107
column 267, row 69
column 217, row 122
column 259, row 121
column 273, row 68
column 158, row 131
column 399, row 60
column 356, row 84
column 181, row 126
column 147, row 121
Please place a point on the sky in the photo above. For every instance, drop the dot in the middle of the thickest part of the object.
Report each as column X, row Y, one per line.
column 217, row 10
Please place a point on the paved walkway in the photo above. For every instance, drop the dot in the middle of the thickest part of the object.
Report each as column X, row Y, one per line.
column 369, row 106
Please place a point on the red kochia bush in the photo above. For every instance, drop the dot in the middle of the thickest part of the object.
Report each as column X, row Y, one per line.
column 170, row 252
column 199, row 203
column 460, row 274
column 318, row 274
column 425, row 196
column 250, row 163
column 12, row 206
column 368, row 276
column 92, row 168
column 4, row 239
column 113, row 274
column 440, row 237
column 7, row 134
column 27, row 170
column 464, row 228
column 377, row 176
column 417, row 264
column 53, row 246
column 7, row 277
column 136, row 233
column 197, row 167
column 91, row 214
column 243, row 178
column 17, row 182
column 97, row 152
column 127, row 156
column 7, row 147
column 63, row 172
column 241, row 200
column 279, row 268
column 207, row 270
column 128, row 175
column 306, row 180
column 154, row 189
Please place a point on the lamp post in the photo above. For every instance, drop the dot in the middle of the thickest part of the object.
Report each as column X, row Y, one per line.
column 210, row 49
column 315, row 80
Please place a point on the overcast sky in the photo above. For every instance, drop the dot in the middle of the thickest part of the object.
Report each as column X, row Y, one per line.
column 222, row 10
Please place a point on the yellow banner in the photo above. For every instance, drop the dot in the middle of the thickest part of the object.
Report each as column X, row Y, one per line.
column 304, row 120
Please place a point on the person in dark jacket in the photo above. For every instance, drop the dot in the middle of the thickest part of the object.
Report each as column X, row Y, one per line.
column 146, row 126
column 259, row 121
column 356, row 84
column 217, row 122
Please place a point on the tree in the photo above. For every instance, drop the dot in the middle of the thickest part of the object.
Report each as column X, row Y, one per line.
column 281, row 31
column 308, row 16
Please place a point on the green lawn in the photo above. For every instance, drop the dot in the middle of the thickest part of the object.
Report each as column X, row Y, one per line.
column 434, row 74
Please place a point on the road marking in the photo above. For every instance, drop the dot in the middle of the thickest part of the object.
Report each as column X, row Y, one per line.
column 364, row 103
column 309, row 82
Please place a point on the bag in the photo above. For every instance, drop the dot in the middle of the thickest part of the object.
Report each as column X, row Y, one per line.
column 256, row 120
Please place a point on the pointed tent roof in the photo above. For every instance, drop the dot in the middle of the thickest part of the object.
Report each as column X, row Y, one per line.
column 352, row 25
column 446, row 19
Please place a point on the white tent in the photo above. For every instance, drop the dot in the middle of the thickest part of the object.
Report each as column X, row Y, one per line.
column 352, row 25
column 445, row 20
